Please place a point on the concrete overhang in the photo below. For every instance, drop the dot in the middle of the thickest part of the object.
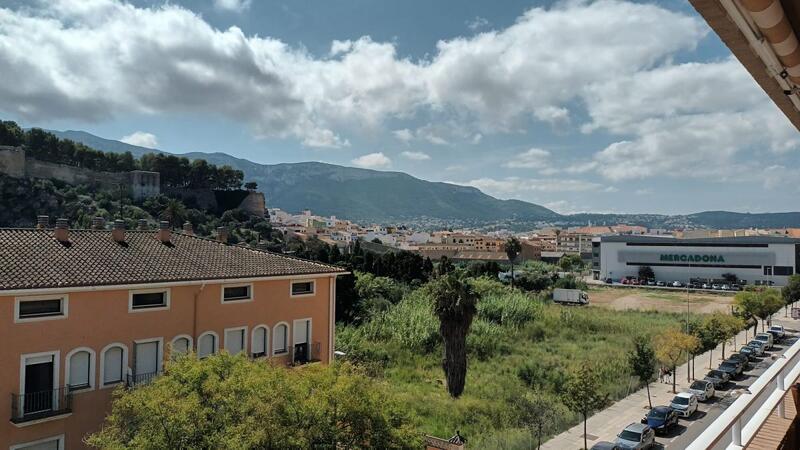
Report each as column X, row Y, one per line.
column 762, row 34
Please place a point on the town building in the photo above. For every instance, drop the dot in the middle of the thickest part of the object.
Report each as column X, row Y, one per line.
column 85, row 311
column 752, row 259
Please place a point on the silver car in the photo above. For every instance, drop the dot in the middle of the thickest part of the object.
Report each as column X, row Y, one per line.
column 759, row 346
column 636, row 436
column 703, row 389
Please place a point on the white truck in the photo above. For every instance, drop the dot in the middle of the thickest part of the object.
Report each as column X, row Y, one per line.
column 570, row 296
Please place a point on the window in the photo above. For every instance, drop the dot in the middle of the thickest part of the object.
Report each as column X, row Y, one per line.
column 768, row 270
column 207, row 344
column 235, row 340
column 149, row 300
column 238, row 293
column 302, row 288
column 51, row 443
column 181, row 345
column 30, row 309
column 147, row 359
column 114, row 360
column 279, row 345
column 80, row 369
column 783, row 270
column 260, row 342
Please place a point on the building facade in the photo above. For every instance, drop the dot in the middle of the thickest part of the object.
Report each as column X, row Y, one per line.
column 753, row 259
column 84, row 312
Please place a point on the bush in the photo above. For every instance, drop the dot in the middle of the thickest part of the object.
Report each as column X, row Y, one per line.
column 513, row 309
column 485, row 340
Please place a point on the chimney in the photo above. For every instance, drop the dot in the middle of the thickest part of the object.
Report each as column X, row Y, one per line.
column 61, row 231
column 142, row 224
column 118, row 233
column 163, row 232
column 98, row 223
column 222, row 235
column 187, row 228
column 42, row 222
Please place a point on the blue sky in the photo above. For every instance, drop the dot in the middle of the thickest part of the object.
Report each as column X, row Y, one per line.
column 601, row 106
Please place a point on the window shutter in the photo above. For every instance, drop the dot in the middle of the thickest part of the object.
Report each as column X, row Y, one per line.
column 280, row 338
column 181, row 345
column 79, row 369
column 234, row 341
column 259, row 344
column 112, row 365
column 206, row 345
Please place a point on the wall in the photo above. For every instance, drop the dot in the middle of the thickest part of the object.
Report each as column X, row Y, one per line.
column 255, row 204
column 99, row 318
column 12, row 161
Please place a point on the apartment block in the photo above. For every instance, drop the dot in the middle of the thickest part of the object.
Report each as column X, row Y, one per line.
column 83, row 312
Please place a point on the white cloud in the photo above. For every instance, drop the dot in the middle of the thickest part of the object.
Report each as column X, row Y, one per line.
column 515, row 186
column 141, row 139
column 477, row 23
column 96, row 59
column 416, row 156
column 534, row 158
column 373, row 161
column 404, row 135
column 232, row 5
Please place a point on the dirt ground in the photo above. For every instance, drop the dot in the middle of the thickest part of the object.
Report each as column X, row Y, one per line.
column 651, row 299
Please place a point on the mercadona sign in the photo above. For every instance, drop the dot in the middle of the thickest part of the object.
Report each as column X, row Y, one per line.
column 679, row 257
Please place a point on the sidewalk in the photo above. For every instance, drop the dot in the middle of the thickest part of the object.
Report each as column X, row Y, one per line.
column 606, row 424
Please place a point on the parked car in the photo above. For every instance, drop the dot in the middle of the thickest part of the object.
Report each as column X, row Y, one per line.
column 715, row 286
column 736, row 287
column 744, row 359
column 749, row 352
column 718, row 377
column 758, row 346
column 766, row 338
column 661, row 283
column 661, row 419
column 685, row 404
column 703, row 389
column 609, row 281
column 677, row 284
column 777, row 331
column 651, row 282
column 636, row 436
column 706, row 286
column 733, row 368
column 605, row 445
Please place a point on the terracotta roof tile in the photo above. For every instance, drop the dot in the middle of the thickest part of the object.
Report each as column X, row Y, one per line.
column 32, row 259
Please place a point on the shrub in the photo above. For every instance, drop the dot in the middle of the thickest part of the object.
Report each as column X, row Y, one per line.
column 513, row 309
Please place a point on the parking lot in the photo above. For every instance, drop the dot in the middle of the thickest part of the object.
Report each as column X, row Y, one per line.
column 662, row 300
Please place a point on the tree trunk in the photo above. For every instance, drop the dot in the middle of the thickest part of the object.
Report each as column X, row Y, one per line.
column 539, row 438
column 649, row 401
column 454, row 363
column 585, row 446
column 711, row 359
column 512, row 274
column 674, row 377
column 723, row 350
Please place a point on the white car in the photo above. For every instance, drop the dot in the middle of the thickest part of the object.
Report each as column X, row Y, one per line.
column 766, row 338
column 759, row 346
column 703, row 389
column 777, row 331
column 677, row 284
column 684, row 404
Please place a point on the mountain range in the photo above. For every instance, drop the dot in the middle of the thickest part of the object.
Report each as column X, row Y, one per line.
column 371, row 196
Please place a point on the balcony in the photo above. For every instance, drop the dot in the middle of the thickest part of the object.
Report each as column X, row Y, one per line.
column 140, row 379
column 40, row 405
column 305, row 353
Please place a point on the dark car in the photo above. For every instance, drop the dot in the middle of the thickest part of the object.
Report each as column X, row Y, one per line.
column 743, row 359
column 718, row 377
column 732, row 368
column 605, row 445
column 748, row 352
column 661, row 419
column 609, row 281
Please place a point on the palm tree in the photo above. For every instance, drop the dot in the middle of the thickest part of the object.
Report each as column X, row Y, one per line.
column 513, row 247
column 174, row 212
column 455, row 303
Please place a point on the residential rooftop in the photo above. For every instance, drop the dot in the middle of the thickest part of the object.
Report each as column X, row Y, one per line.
column 669, row 240
column 35, row 259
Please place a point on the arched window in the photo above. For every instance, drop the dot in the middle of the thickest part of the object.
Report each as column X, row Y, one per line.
column 207, row 344
column 181, row 345
column 114, row 360
column 280, row 343
column 260, row 342
column 80, row 369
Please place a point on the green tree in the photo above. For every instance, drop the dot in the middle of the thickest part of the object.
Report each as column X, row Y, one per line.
column 642, row 362
column 228, row 401
column 672, row 347
column 539, row 414
column 571, row 262
column 759, row 303
column 712, row 332
column 583, row 396
column 513, row 247
column 791, row 292
column 251, row 185
column 646, row 273
column 455, row 304
column 174, row 212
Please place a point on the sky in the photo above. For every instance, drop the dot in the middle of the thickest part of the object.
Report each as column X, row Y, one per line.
column 581, row 106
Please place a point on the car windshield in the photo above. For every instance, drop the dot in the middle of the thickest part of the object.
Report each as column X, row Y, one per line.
column 775, row 329
column 657, row 414
column 762, row 338
column 699, row 385
column 629, row 435
column 680, row 400
column 755, row 343
column 727, row 365
column 715, row 373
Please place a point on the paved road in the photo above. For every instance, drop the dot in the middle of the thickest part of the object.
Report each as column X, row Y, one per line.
column 689, row 429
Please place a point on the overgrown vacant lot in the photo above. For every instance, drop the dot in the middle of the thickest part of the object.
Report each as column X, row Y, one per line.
column 657, row 299
column 517, row 344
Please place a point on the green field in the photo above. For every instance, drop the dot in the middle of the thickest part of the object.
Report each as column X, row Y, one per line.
column 517, row 343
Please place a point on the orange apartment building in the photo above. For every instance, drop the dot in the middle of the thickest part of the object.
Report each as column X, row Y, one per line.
column 83, row 312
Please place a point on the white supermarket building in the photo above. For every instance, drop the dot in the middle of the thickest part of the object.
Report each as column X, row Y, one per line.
column 753, row 259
